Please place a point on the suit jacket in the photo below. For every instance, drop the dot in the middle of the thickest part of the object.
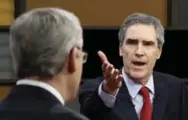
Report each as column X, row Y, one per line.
column 170, row 101
column 33, row 103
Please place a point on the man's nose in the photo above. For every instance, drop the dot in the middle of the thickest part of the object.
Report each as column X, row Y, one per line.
column 139, row 50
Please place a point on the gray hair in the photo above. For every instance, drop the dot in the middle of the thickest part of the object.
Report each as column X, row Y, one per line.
column 140, row 18
column 41, row 39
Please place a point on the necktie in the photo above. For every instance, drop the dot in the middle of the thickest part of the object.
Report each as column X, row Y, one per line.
column 146, row 112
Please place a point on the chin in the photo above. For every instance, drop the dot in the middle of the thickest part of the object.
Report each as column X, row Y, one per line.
column 138, row 75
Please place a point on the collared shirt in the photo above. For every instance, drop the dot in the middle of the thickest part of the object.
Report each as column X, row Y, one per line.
column 42, row 85
column 133, row 88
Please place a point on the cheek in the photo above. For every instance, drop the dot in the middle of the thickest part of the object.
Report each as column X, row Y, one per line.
column 152, row 61
column 79, row 68
column 127, row 54
column 127, row 58
column 79, row 63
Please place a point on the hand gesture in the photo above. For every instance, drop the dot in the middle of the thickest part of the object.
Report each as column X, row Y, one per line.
column 112, row 77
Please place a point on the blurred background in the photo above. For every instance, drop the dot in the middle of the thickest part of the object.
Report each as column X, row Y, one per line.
column 101, row 20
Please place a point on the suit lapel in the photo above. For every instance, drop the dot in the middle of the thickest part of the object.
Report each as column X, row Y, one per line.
column 124, row 107
column 160, row 99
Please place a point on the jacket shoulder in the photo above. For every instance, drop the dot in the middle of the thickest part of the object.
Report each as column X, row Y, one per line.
column 171, row 79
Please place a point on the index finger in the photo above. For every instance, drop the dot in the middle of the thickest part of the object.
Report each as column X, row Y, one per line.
column 102, row 56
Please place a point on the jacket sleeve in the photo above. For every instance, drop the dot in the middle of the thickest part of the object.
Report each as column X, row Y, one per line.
column 184, row 101
column 91, row 104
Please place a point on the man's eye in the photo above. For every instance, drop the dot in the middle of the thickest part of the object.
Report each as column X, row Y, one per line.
column 148, row 43
column 132, row 42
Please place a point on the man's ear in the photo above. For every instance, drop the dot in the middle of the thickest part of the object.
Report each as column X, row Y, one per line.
column 72, row 61
column 159, row 53
column 120, row 50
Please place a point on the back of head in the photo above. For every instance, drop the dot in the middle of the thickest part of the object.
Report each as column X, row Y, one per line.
column 41, row 39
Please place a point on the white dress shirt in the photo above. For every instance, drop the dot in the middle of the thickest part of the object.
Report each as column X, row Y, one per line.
column 133, row 88
column 42, row 85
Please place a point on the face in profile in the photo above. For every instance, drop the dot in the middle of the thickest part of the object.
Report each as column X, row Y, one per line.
column 79, row 58
column 140, row 51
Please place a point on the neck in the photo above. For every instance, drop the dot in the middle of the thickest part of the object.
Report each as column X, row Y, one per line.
column 143, row 81
column 140, row 80
column 60, row 83
column 57, row 82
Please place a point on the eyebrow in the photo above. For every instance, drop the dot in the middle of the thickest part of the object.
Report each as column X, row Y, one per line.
column 79, row 48
column 131, row 40
column 135, row 40
column 149, row 42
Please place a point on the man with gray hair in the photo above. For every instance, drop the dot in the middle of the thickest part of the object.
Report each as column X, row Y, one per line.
column 46, row 47
column 136, row 92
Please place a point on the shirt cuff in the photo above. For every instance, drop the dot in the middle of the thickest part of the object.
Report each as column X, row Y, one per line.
column 108, row 99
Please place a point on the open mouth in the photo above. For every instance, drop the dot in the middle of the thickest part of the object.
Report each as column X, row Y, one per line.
column 139, row 63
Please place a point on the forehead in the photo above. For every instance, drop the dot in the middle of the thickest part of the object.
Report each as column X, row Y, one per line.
column 141, row 32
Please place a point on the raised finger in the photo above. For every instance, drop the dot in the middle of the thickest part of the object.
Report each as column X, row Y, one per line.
column 102, row 56
column 109, row 70
column 104, row 66
column 114, row 74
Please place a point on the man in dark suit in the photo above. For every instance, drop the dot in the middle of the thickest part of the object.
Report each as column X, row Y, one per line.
column 46, row 46
column 135, row 92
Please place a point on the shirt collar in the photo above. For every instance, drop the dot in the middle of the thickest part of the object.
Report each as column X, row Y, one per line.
column 134, row 87
column 43, row 85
